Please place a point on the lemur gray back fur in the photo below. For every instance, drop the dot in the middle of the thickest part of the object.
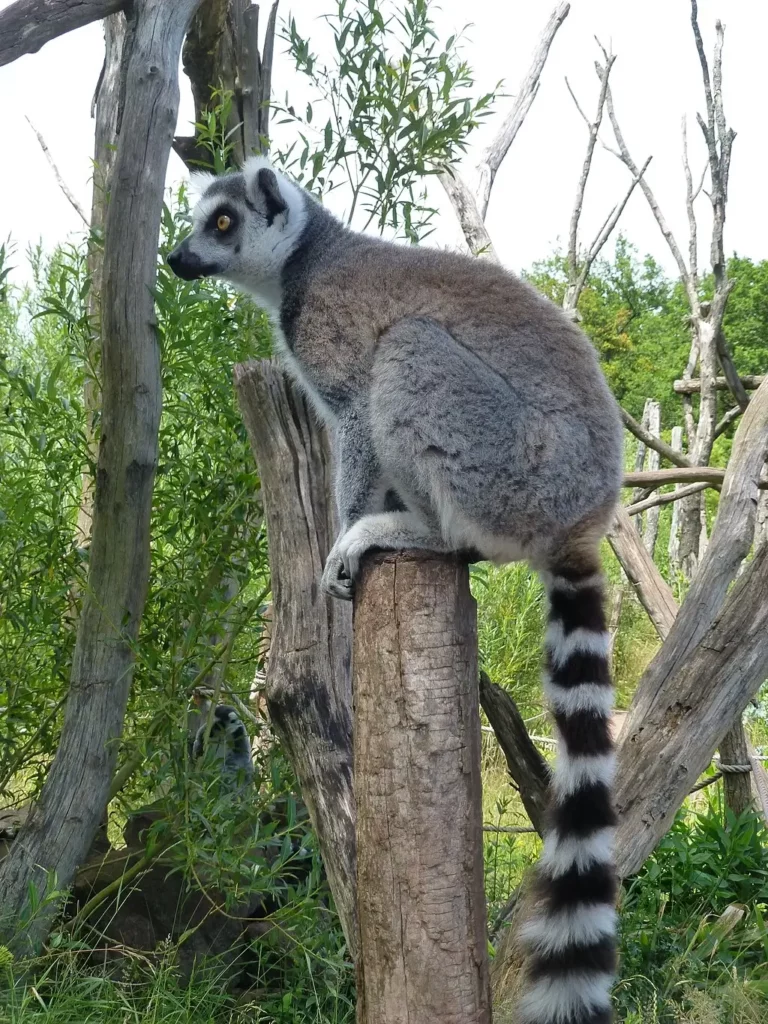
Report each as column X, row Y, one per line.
column 467, row 413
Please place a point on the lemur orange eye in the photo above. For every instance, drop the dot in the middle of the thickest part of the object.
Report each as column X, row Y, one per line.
column 224, row 222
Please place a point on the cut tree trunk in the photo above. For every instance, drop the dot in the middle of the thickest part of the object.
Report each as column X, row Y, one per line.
column 308, row 683
column 420, row 896
column 60, row 830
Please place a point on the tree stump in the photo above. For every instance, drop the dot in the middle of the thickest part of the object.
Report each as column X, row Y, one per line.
column 420, row 897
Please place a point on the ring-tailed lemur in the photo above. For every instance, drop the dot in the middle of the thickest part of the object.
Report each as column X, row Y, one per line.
column 467, row 413
column 229, row 741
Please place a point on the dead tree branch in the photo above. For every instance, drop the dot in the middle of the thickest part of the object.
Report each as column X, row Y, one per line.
column 472, row 225
column 681, row 475
column 667, row 451
column 68, row 194
column 692, row 386
column 472, row 206
column 513, row 122
column 663, row 499
column 528, row 769
column 652, row 590
column 29, row 24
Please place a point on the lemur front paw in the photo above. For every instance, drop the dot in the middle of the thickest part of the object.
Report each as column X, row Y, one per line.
column 343, row 563
column 336, row 581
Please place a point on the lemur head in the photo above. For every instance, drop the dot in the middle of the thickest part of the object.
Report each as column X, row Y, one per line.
column 226, row 721
column 244, row 226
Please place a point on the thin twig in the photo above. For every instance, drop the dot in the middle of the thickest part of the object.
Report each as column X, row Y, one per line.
column 56, row 173
column 594, row 128
column 512, row 123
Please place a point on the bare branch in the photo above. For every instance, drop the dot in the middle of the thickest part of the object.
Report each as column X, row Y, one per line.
column 29, row 24
column 704, row 69
column 57, row 175
column 652, row 590
column 605, row 232
column 727, row 420
column 693, row 249
column 586, row 120
column 670, row 454
column 594, row 128
column 465, row 205
column 692, row 386
column 665, row 229
column 681, row 475
column 663, row 499
column 512, row 123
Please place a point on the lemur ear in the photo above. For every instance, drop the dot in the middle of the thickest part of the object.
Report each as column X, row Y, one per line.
column 266, row 180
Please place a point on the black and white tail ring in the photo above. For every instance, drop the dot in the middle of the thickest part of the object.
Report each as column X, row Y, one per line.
column 570, row 941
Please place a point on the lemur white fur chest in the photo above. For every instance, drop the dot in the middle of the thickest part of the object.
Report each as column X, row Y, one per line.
column 470, row 414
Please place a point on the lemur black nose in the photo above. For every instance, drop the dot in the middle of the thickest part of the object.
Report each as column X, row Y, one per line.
column 173, row 259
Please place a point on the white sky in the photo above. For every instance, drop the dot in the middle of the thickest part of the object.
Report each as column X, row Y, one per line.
column 656, row 80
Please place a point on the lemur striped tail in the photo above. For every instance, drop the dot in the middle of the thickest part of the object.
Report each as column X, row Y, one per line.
column 570, row 940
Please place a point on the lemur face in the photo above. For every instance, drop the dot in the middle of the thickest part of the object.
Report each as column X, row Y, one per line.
column 225, row 720
column 241, row 227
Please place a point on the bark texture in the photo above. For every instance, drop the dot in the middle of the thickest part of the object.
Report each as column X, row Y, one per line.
column 421, row 902
column 737, row 786
column 308, row 682
column 59, row 831
column 222, row 48
column 107, row 113
column 29, row 24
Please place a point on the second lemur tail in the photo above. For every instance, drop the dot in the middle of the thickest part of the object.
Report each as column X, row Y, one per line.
column 570, row 941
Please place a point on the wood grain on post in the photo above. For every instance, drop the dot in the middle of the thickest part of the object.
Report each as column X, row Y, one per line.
column 420, row 896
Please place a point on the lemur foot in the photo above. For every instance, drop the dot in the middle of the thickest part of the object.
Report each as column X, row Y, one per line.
column 335, row 580
column 342, row 566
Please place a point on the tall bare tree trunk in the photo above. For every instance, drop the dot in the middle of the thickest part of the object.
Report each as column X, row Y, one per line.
column 60, row 829
column 308, row 683
column 420, row 896
column 106, row 108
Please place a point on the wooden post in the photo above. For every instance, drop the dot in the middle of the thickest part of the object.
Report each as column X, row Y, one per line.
column 420, row 897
